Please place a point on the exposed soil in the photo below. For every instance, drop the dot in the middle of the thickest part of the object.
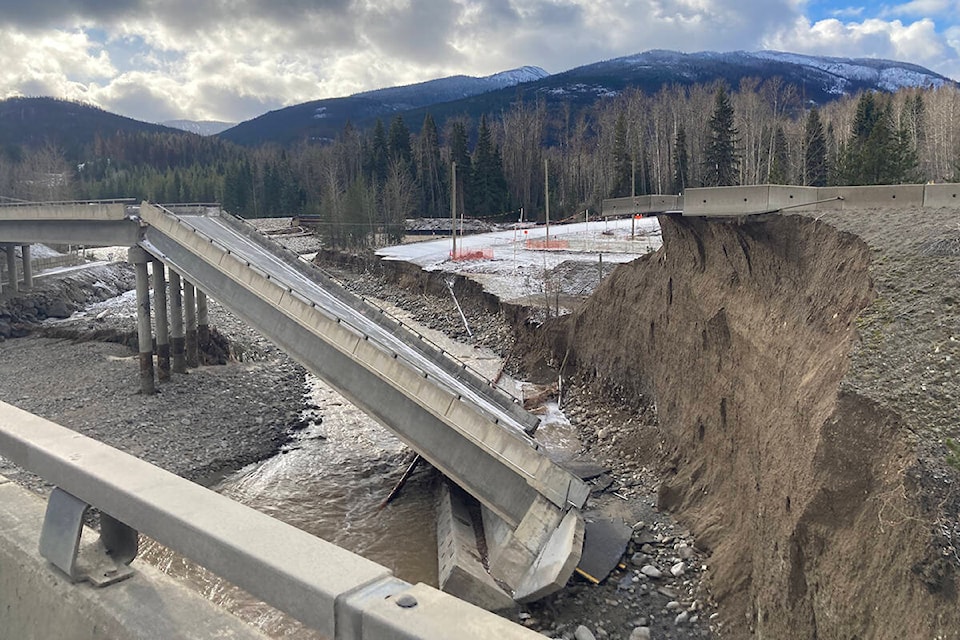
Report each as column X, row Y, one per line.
column 804, row 373
column 611, row 432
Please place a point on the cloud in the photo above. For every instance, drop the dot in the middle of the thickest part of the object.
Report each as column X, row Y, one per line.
column 58, row 63
column 235, row 59
column 847, row 12
column 921, row 8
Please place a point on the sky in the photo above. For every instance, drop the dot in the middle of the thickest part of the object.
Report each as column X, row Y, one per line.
column 232, row 60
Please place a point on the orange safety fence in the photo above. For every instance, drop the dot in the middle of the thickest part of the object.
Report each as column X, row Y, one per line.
column 546, row 244
column 472, row 254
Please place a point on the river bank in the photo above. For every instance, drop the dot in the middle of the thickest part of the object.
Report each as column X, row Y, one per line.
column 201, row 425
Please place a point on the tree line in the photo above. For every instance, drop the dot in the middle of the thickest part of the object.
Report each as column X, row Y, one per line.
column 364, row 184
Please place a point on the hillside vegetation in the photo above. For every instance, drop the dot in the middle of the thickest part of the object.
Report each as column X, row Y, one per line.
column 364, row 183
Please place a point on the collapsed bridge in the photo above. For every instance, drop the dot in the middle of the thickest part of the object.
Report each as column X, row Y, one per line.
column 473, row 432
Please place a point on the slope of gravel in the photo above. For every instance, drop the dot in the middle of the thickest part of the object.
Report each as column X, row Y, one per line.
column 200, row 425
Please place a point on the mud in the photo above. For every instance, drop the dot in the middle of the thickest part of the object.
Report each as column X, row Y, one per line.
column 819, row 497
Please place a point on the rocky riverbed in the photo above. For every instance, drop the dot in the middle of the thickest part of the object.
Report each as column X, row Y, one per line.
column 200, row 425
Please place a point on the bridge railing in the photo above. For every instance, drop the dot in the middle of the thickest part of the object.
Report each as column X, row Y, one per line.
column 526, row 422
column 408, row 333
column 60, row 203
column 327, row 588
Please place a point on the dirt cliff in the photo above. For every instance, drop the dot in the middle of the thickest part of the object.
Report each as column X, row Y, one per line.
column 805, row 380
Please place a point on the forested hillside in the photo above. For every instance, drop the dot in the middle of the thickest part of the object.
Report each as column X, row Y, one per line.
column 661, row 143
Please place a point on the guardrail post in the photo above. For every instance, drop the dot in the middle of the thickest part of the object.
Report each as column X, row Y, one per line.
column 160, row 313
column 190, row 313
column 12, row 268
column 177, row 345
column 101, row 564
column 203, row 321
column 27, row 267
column 139, row 258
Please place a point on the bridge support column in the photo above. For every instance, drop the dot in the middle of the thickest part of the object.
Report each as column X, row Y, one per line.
column 176, row 325
column 139, row 258
column 203, row 322
column 27, row 267
column 160, row 314
column 190, row 314
column 12, row 284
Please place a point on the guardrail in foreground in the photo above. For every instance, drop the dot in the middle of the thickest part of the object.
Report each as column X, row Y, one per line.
column 328, row 588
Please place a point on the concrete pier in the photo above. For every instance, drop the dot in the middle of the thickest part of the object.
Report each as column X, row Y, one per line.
column 27, row 267
column 12, row 284
column 177, row 343
column 203, row 322
column 190, row 315
column 139, row 258
column 160, row 315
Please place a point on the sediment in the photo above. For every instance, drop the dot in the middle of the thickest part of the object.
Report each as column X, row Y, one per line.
column 793, row 441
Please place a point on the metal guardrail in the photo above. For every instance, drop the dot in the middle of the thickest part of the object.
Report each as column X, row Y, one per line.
column 12, row 205
column 510, row 405
column 328, row 588
column 370, row 309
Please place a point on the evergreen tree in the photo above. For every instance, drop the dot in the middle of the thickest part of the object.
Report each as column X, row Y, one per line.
column 488, row 187
column 721, row 159
column 377, row 156
column 398, row 142
column 681, row 161
column 814, row 151
column 780, row 163
column 878, row 152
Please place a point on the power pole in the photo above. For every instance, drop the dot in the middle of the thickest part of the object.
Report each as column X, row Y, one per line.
column 546, row 195
column 453, row 208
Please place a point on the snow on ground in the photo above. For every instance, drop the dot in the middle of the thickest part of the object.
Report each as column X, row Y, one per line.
column 513, row 266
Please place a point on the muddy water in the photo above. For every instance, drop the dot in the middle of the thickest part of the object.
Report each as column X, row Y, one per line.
column 330, row 481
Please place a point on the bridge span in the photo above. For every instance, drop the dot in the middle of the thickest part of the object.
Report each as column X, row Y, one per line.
column 473, row 432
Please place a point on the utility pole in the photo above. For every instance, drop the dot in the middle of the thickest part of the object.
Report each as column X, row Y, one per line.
column 453, row 208
column 546, row 195
column 633, row 196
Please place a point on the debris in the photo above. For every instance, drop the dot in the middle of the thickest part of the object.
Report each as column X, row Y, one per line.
column 402, row 481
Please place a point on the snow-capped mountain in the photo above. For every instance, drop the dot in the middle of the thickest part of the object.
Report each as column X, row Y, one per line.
column 322, row 119
column 201, row 127
column 818, row 79
column 421, row 94
column 887, row 75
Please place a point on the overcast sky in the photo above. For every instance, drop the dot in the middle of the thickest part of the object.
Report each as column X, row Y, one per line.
column 232, row 60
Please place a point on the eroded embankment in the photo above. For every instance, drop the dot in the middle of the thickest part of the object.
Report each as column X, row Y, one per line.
column 742, row 332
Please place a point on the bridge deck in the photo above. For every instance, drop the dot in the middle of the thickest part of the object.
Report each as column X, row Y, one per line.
column 454, row 423
column 472, row 432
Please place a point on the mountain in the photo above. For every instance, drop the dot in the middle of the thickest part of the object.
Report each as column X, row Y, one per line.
column 32, row 122
column 200, row 127
column 430, row 92
column 322, row 119
column 819, row 79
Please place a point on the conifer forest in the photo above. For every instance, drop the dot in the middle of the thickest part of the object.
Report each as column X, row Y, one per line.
column 365, row 183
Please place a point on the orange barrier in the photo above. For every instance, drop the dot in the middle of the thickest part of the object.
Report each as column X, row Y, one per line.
column 546, row 244
column 472, row 254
